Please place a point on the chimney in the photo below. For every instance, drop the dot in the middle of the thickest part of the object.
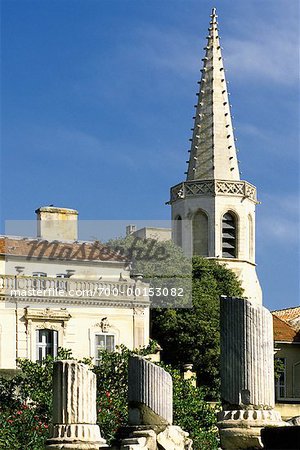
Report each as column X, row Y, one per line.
column 130, row 229
column 57, row 223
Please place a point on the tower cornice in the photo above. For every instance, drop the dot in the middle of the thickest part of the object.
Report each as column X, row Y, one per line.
column 195, row 188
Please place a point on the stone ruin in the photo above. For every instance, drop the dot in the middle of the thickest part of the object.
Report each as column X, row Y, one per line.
column 247, row 374
column 150, row 410
column 150, row 393
column 150, row 397
column 247, row 389
column 74, row 408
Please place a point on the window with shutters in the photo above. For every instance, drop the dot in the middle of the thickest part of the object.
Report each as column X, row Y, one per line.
column 229, row 236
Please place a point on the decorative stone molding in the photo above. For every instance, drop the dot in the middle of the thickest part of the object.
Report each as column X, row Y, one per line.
column 230, row 187
column 211, row 188
column 267, row 415
column 47, row 314
column 150, row 393
column 48, row 326
column 241, row 429
column 139, row 311
column 104, row 325
column 68, row 302
column 46, row 318
column 74, row 408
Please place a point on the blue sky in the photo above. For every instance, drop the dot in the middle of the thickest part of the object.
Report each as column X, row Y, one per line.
column 97, row 105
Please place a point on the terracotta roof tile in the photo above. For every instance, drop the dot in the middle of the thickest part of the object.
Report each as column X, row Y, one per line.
column 40, row 248
column 290, row 315
column 283, row 332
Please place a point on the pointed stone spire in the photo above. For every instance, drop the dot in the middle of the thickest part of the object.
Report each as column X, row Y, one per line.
column 213, row 152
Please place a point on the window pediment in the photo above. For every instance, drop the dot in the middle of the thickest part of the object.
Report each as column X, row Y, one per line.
column 47, row 314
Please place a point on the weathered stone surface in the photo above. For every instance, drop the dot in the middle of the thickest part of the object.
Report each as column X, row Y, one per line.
column 241, row 429
column 150, row 393
column 170, row 438
column 174, row 438
column 74, row 408
column 247, row 374
column 140, row 440
column 241, row 438
column 247, row 366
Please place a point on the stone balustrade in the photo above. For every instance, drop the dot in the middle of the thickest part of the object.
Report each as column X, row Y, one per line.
column 12, row 286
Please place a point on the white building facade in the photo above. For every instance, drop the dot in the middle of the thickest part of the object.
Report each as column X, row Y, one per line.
column 57, row 291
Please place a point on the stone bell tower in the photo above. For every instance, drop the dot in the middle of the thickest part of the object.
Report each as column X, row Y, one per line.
column 213, row 211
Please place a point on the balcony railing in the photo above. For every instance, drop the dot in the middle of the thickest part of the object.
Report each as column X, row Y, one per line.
column 21, row 287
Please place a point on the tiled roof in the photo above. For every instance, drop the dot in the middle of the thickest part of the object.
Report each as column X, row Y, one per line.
column 60, row 250
column 290, row 315
column 283, row 332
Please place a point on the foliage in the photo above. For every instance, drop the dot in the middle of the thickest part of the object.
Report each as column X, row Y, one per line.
column 162, row 264
column 153, row 258
column 187, row 335
column 23, row 427
column 112, row 391
column 192, row 413
column 25, row 402
column 192, row 335
column 278, row 367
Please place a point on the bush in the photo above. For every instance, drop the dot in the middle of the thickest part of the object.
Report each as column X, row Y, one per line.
column 192, row 413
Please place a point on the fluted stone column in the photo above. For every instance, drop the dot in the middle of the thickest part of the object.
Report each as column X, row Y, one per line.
column 247, row 373
column 150, row 396
column 74, row 408
column 150, row 393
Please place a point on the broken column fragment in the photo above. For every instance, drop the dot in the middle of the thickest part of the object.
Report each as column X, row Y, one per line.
column 247, row 374
column 74, row 408
column 150, row 393
column 150, row 396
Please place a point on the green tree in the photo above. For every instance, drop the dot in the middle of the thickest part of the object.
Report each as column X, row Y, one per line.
column 186, row 334
column 191, row 335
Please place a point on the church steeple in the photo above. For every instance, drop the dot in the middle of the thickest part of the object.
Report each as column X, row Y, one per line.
column 213, row 211
column 213, row 152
